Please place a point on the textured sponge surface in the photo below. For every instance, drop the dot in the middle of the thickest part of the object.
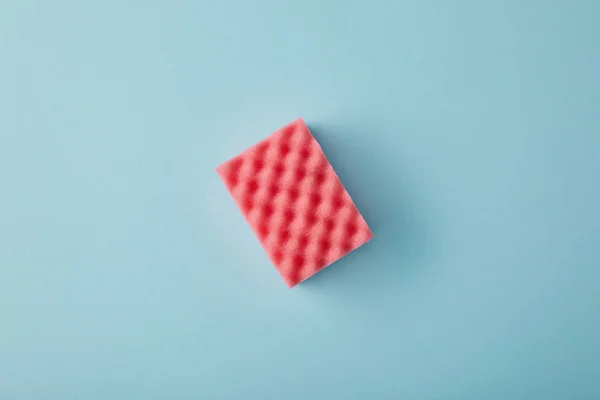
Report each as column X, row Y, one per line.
column 294, row 202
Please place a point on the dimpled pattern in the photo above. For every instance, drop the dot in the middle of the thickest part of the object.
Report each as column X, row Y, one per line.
column 294, row 202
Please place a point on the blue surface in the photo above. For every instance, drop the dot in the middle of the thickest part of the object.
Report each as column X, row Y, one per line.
column 467, row 132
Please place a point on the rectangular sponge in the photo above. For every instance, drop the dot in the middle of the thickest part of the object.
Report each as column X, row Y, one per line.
column 294, row 202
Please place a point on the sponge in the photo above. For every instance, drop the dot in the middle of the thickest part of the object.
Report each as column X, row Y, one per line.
column 294, row 202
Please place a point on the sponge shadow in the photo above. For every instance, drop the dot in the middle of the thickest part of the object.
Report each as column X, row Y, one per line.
column 381, row 187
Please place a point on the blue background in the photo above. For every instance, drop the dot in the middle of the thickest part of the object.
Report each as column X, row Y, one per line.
column 466, row 131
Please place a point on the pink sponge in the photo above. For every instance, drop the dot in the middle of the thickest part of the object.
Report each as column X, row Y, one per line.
column 295, row 203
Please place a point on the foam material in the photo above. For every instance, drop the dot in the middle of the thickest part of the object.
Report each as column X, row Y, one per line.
column 295, row 203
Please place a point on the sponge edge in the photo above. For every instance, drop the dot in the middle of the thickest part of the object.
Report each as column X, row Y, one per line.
column 294, row 202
